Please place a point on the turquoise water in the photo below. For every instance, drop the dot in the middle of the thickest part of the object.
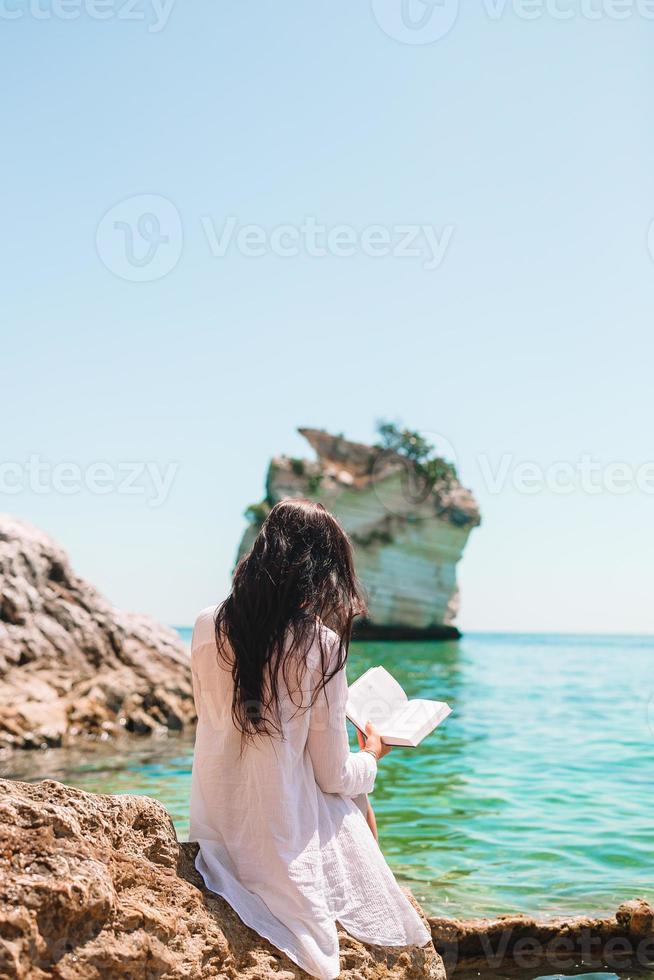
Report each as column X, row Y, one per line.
column 535, row 795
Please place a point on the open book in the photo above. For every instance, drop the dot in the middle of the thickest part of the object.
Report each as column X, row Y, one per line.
column 377, row 697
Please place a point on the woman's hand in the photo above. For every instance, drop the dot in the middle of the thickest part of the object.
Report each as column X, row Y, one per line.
column 372, row 742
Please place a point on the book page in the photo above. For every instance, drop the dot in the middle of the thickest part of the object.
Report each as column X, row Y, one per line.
column 415, row 719
column 374, row 697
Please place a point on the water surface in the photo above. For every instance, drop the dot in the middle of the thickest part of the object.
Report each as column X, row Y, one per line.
column 534, row 795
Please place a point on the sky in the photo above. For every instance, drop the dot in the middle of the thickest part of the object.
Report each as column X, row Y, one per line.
column 226, row 220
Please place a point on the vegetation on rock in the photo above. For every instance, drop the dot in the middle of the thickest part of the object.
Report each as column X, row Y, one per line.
column 412, row 446
column 257, row 513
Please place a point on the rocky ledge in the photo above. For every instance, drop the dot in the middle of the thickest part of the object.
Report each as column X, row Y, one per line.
column 71, row 665
column 409, row 523
column 98, row 887
column 525, row 946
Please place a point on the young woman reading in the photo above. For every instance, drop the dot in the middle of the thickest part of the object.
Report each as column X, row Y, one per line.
column 278, row 800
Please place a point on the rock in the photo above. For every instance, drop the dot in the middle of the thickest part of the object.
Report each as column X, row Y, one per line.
column 98, row 887
column 408, row 535
column 71, row 665
column 637, row 917
column 473, row 947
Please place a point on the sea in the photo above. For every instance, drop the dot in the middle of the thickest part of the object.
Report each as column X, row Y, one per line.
column 535, row 795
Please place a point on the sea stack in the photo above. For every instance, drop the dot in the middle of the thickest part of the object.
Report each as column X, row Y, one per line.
column 409, row 525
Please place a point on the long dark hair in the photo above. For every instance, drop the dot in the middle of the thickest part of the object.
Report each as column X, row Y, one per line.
column 298, row 575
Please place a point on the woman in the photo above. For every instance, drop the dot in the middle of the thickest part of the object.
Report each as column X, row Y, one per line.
column 276, row 802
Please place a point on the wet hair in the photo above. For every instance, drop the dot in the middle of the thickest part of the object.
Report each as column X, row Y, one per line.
column 298, row 576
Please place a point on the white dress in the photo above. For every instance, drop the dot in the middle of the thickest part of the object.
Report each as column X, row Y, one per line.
column 281, row 838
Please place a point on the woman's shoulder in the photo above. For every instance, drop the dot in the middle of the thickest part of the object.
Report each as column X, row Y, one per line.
column 324, row 642
column 327, row 635
column 204, row 630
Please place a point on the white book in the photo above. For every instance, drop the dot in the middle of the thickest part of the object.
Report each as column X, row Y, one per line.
column 377, row 697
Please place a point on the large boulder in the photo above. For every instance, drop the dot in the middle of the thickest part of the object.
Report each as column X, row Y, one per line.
column 98, row 887
column 408, row 530
column 71, row 665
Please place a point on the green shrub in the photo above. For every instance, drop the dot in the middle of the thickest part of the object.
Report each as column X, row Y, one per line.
column 314, row 483
column 257, row 513
column 421, row 453
column 376, row 536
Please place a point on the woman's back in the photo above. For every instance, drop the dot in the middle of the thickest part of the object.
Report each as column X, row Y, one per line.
column 274, row 782
column 257, row 772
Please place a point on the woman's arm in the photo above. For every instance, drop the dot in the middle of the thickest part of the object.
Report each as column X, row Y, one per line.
column 337, row 770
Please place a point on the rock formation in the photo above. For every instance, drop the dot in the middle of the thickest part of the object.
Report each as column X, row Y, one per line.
column 496, row 947
column 70, row 664
column 97, row 887
column 408, row 532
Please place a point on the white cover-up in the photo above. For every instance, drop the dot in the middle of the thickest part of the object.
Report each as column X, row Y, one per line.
column 281, row 838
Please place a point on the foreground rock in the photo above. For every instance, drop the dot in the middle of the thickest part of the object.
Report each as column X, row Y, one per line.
column 98, row 887
column 70, row 664
column 510, row 943
column 408, row 533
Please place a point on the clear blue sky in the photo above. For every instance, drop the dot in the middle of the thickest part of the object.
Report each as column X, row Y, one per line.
column 531, row 140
